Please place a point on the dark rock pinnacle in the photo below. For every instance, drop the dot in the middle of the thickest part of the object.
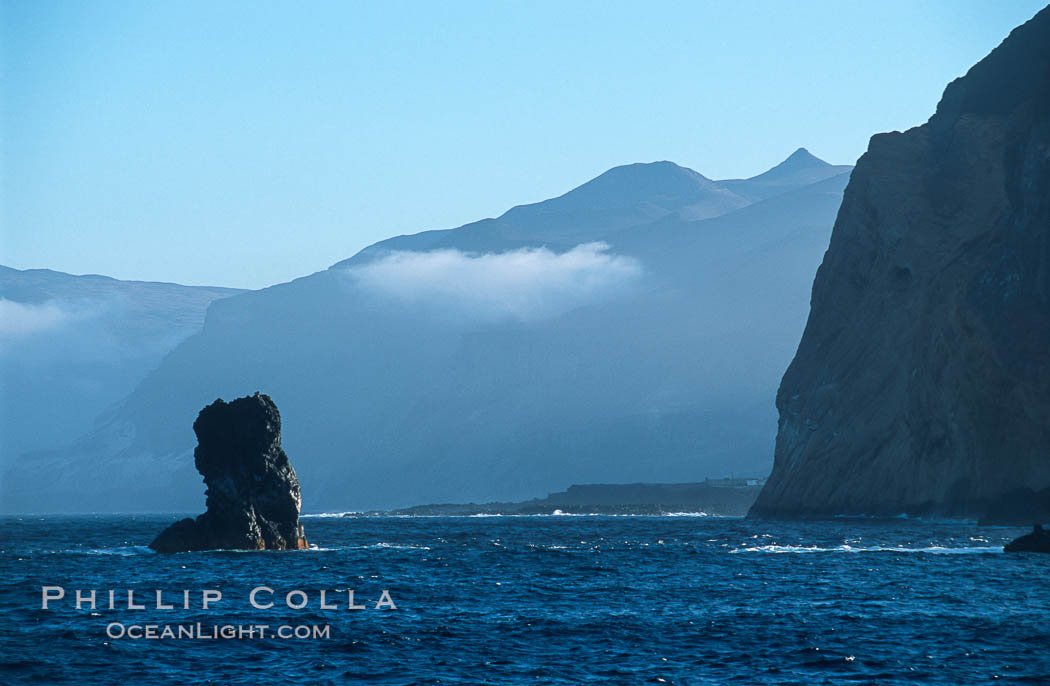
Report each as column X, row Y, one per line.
column 253, row 497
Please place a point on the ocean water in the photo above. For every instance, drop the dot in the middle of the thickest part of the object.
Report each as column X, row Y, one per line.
column 554, row 599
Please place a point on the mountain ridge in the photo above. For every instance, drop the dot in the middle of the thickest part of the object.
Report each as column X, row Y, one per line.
column 475, row 236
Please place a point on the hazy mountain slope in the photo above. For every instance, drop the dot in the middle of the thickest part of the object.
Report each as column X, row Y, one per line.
column 434, row 376
column 922, row 383
column 671, row 382
column 70, row 346
column 679, row 249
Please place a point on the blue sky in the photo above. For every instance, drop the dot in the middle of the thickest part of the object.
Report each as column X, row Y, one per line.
column 244, row 144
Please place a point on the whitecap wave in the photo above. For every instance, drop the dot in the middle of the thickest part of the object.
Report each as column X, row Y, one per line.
column 484, row 515
column 391, row 546
column 933, row 550
column 122, row 551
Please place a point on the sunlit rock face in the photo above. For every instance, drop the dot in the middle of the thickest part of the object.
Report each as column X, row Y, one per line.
column 922, row 382
column 253, row 496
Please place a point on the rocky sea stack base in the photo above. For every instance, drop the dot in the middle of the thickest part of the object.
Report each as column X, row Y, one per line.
column 1036, row 542
column 253, row 497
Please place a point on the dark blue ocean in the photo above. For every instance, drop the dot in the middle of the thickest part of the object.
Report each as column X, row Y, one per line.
column 554, row 599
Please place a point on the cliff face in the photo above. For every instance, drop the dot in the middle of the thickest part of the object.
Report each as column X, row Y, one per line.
column 922, row 381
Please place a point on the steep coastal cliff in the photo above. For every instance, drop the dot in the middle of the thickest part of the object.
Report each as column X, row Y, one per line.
column 922, row 382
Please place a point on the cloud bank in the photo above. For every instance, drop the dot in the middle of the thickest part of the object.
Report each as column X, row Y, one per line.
column 20, row 320
column 524, row 284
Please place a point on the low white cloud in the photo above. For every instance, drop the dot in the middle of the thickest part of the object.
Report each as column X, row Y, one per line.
column 19, row 320
column 524, row 284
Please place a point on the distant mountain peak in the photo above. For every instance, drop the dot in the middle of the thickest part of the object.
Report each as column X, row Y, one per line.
column 624, row 196
column 639, row 180
column 801, row 168
column 804, row 156
column 800, row 160
column 662, row 184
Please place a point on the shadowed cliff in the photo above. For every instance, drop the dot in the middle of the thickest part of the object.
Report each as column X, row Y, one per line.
column 922, row 382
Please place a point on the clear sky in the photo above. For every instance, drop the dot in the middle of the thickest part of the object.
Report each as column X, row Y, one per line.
column 247, row 143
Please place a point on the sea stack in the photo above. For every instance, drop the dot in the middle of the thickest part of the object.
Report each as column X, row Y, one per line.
column 252, row 495
column 922, row 382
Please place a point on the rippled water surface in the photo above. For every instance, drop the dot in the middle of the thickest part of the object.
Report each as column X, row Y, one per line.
column 683, row 600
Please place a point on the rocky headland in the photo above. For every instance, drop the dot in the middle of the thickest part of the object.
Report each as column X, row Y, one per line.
column 922, row 381
column 720, row 497
column 252, row 495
